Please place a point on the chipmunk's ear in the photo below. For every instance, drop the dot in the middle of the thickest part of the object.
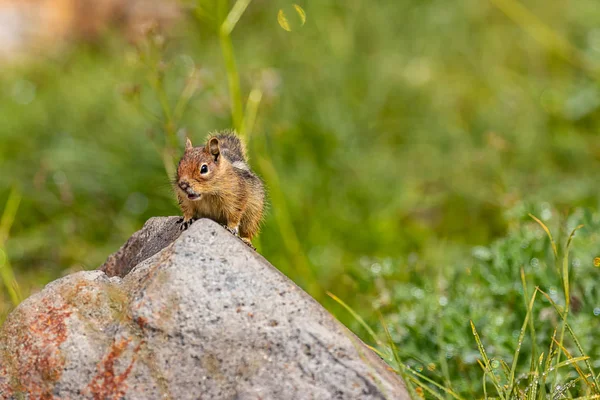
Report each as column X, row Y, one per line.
column 188, row 144
column 213, row 147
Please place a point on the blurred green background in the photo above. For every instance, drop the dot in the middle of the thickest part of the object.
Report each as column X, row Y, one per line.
column 403, row 144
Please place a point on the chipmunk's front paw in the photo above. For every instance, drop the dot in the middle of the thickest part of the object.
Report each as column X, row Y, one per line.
column 236, row 232
column 233, row 231
column 186, row 224
column 249, row 243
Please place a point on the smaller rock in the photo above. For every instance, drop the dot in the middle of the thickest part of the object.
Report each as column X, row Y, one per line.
column 157, row 233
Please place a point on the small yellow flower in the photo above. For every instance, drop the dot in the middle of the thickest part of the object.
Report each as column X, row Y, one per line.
column 420, row 392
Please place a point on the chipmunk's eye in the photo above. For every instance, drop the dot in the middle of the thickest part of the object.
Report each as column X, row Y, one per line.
column 203, row 169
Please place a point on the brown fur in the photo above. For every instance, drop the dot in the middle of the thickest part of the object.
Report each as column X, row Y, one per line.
column 230, row 193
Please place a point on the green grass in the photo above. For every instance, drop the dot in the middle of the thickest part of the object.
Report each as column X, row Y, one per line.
column 499, row 359
column 404, row 145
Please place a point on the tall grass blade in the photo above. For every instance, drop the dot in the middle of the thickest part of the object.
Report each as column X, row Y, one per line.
column 547, row 365
column 545, row 228
column 8, row 277
column 356, row 317
column 288, row 229
column 505, row 369
column 191, row 86
column 376, row 351
column 511, row 380
column 8, row 216
column 234, row 16
column 6, row 223
column 484, row 380
column 571, row 361
column 254, row 99
column 560, row 392
column 488, row 367
column 426, row 388
column 575, row 340
column 565, row 279
column 233, row 78
column 434, row 383
column 401, row 368
column 544, row 34
column 531, row 327
column 442, row 356
column 535, row 383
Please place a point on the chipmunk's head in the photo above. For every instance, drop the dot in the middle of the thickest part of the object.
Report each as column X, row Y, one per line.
column 199, row 169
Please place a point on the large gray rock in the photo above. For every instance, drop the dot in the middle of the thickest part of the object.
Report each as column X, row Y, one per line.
column 204, row 317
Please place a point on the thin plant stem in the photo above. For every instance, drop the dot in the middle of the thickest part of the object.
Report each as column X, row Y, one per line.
column 6, row 222
column 230, row 65
column 252, row 104
column 545, row 228
column 531, row 326
column 357, row 317
column 573, row 336
column 543, row 34
column 486, row 364
column 288, row 232
column 234, row 16
column 186, row 94
column 565, row 278
column 511, row 380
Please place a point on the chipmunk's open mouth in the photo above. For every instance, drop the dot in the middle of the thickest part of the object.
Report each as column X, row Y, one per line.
column 185, row 187
column 193, row 196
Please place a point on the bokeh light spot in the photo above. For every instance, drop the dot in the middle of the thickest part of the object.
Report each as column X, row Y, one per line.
column 23, row 92
column 136, row 203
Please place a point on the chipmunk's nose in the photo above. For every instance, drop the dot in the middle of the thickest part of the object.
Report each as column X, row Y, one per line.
column 184, row 185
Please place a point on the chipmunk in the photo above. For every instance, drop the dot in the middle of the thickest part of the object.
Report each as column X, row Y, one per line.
column 214, row 181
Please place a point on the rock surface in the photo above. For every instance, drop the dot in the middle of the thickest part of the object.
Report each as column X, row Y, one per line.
column 200, row 317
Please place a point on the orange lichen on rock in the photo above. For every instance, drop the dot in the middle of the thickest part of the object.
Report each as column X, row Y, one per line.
column 107, row 384
column 37, row 362
column 5, row 389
